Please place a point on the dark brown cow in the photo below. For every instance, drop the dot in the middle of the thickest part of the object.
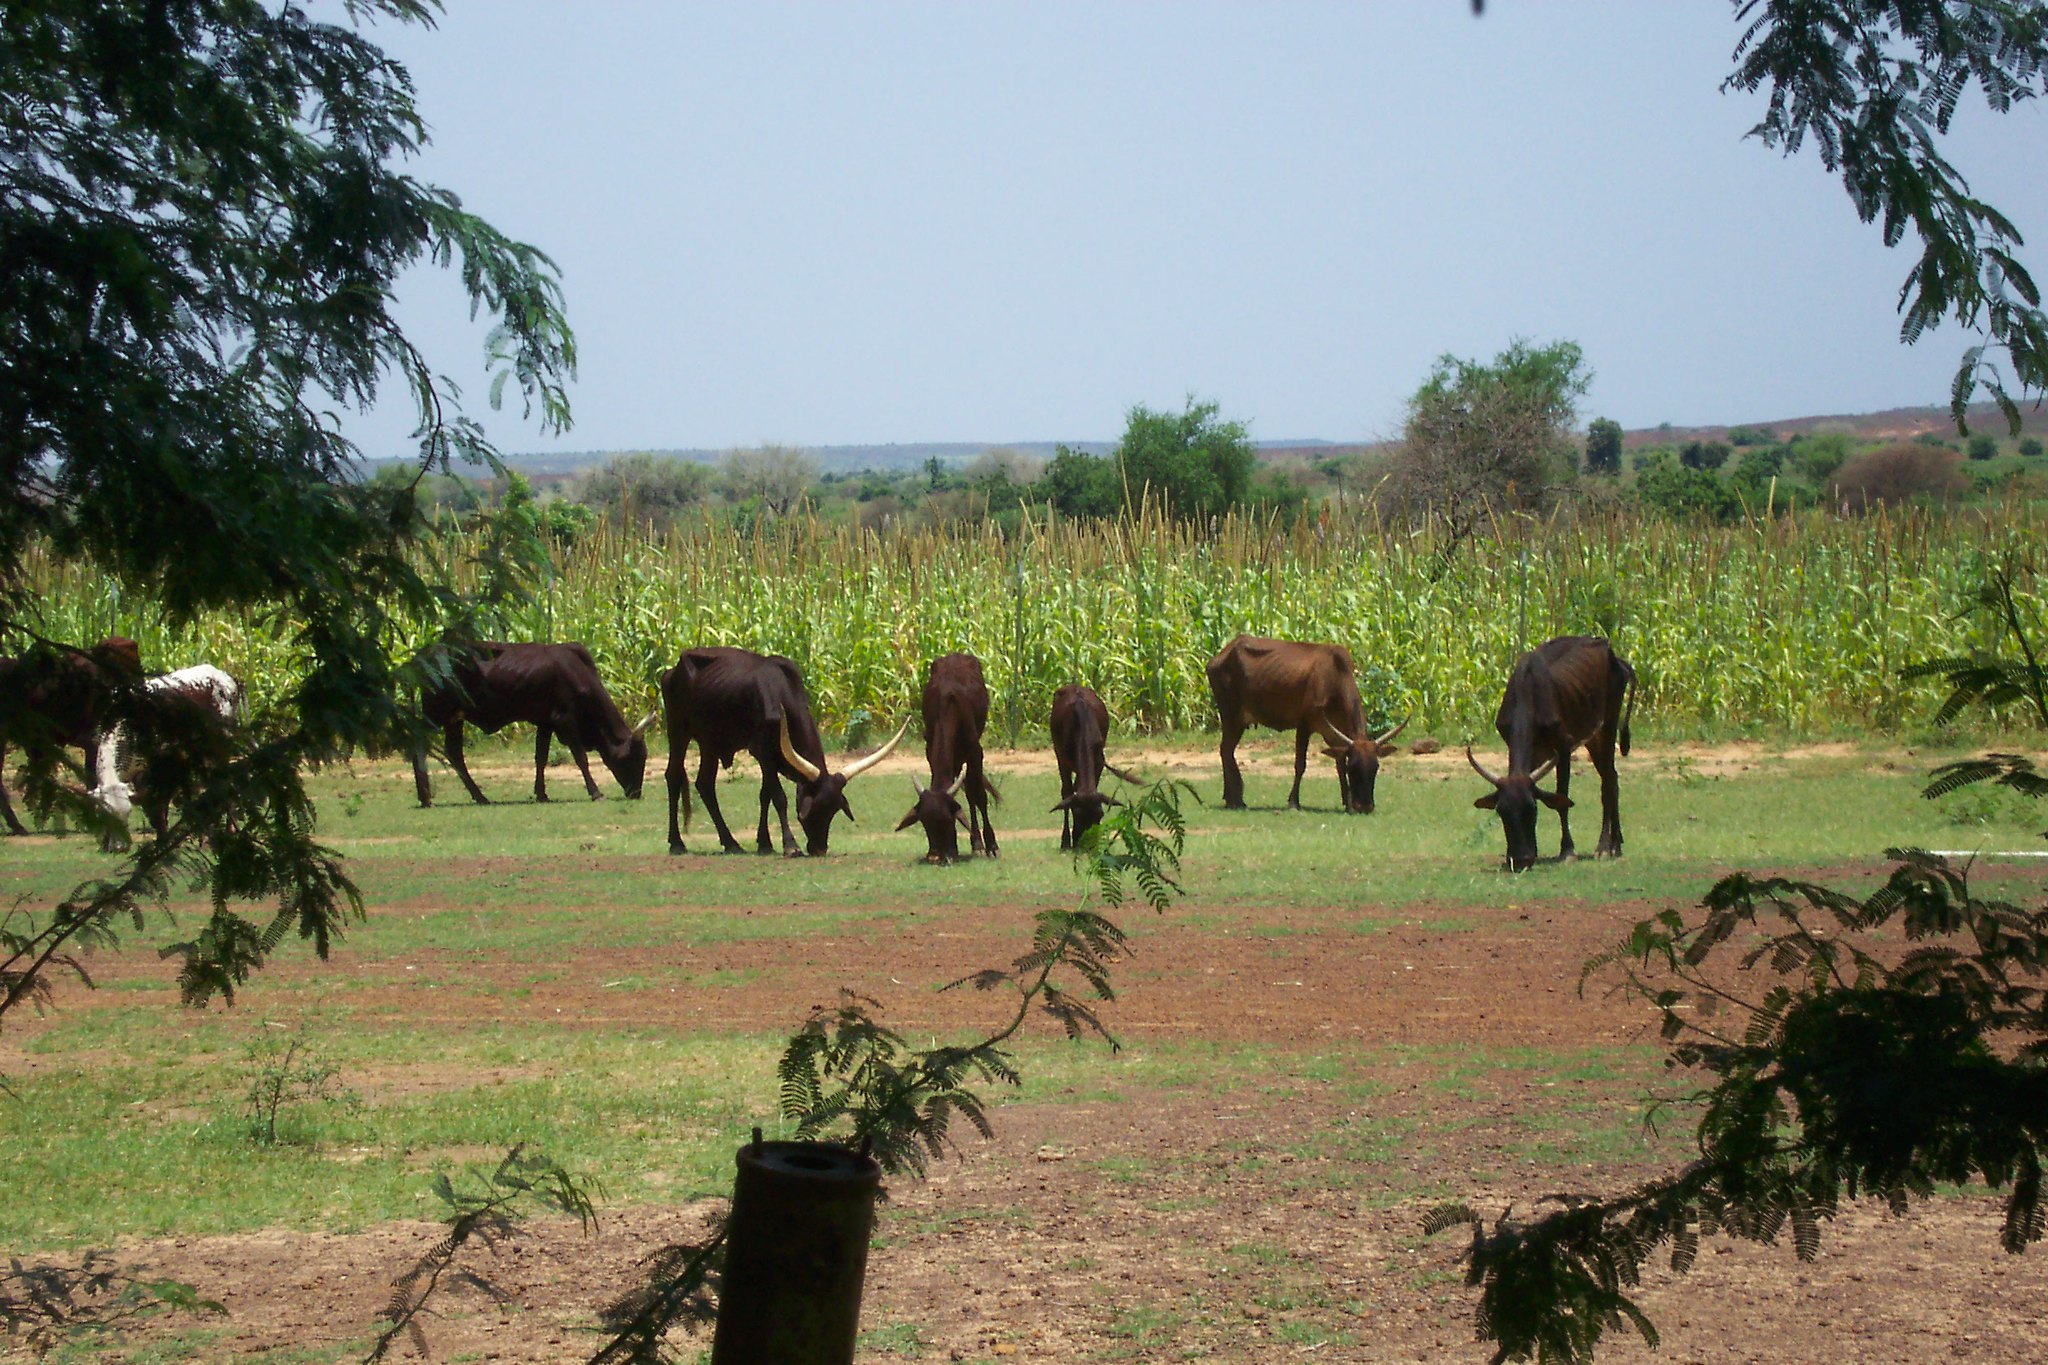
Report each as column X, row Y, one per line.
column 553, row 687
column 1080, row 727
column 955, row 715
column 60, row 699
column 734, row 700
column 1567, row 693
column 1309, row 689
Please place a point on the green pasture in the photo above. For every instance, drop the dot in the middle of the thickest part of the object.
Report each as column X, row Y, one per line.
column 127, row 1114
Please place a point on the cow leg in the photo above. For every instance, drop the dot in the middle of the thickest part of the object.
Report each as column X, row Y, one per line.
column 1066, row 816
column 1601, row 751
column 582, row 757
column 1565, row 848
column 1301, row 737
column 453, row 737
column 707, row 787
column 678, row 776
column 977, row 796
column 420, row 784
column 543, row 740
column 771, row 790
column 1233, row 780
column 7, row 806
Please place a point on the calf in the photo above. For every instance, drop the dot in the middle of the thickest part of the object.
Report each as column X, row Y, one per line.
column 734, row 700
column 955, row 715
column 59, row 699
column 553, row 687
column 1309, row 689
column 1567, row 693
column 1080, row 727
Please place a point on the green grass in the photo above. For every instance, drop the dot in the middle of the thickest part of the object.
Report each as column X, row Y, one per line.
column 126, row 1109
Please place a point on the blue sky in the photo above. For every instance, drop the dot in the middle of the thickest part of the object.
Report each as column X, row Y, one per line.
column 870, row 223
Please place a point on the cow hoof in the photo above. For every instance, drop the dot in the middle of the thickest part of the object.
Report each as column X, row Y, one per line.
column 1233, row 805
column 794, row 853
column 540, row 798
column 676, row 850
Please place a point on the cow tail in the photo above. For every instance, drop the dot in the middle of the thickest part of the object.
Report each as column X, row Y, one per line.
column 1629, row 712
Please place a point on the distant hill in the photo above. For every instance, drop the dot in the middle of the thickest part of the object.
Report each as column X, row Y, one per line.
column 1894, row 423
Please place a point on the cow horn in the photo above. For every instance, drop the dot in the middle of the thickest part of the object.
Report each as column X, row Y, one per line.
column 1541, row 772
column 1396, row 730
column 954, row 788
column 1479, row 768
column 641, row 728
column 807, row 770
column 861, row 765
column 1343, row 740
column 915, row 790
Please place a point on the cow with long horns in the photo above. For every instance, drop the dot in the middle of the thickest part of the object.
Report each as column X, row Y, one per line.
column 955, row 715
column 1080, row 728
column 1565, row 694
column 553, row 687
column 1310, row 689
column 734, row 700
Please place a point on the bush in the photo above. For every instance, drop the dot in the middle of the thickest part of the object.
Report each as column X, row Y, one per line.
column 1933, row 438
column 2030, row 446
column 1682, row 490
column 1815, row 458
column 1983, row 447
column 1897, row 473
column 1703, row 455
column 1752, row 436
column 1603, row 446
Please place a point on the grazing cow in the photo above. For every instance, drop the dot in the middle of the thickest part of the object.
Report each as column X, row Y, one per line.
column 207, row 692
column 554, row 688
column 1567, row 693
column 955, row 714
column 734, row 700
column 59, row 699
column 1080, row 726
column 1310, row 689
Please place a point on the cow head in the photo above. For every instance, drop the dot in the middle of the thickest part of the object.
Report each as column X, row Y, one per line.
column 1358, row 761
column 1514, row 799
column 938, row 810
column 821, row 794
column 1086, row 809
column 629, row 766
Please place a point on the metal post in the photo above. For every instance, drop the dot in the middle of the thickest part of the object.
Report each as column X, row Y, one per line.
column 796, row 1256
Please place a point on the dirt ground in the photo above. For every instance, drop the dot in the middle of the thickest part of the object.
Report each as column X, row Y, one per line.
column 1164, row 1224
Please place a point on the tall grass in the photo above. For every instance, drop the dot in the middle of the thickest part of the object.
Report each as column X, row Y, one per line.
column 1798, row 624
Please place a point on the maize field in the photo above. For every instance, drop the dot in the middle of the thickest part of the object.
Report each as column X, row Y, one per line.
column 1797, row 625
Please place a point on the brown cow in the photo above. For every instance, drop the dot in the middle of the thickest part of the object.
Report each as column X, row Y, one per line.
column 955, row 715
column 1080, row 726
column 57, row 699
column 553, row 687
column 732, row 701
column 1310, row 689
column 1567, row 693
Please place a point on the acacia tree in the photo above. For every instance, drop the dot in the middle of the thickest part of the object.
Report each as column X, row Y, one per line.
column 1198, row 464
column 1603, row 446
column 1482, row 436
column 203, row 208
column 1875, row 84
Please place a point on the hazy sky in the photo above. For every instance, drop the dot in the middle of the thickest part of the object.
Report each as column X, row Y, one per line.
column 870, row 223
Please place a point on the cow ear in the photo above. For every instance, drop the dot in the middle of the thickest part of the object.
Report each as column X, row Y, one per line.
column 1386, row 749
column 1067, row 804
column 907, row 821
column 1334, row 752
column 1487, row 802
column 1554, row 801
column 961, row 816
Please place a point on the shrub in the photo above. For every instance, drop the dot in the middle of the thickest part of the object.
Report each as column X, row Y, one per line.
column 1603, row 446
column 1682, row 490
column 1703, row 455
column 2030, row 446
column 1897, row 473
column 1751, row 436
column 1815, row 458
column 1983, row 447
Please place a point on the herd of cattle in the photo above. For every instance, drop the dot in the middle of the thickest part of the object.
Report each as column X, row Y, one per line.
column 1573, row 691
